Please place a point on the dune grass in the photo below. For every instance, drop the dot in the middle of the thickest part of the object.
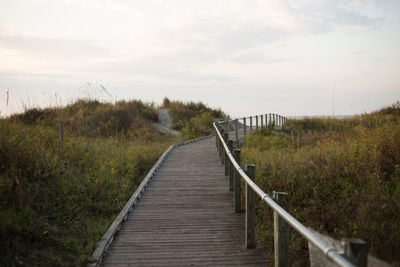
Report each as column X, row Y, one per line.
column 56, row 204
column 193, row 119
column 342, row 177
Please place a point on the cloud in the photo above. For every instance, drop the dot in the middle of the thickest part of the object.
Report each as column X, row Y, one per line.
column 195, row 32
column 45, row 55
column 103, row 5
column 326, row 15
column 204, row 32
column 54, row 48
column 173, row 42
column 361, row 55
column 229, row 30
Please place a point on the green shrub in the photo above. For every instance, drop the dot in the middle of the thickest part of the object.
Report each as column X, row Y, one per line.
column 55, row 205
column 199, row 126
column 183, row 113
column 342, row 177
column 92, row 118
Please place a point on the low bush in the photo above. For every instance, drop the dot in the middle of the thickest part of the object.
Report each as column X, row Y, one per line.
column 92, row 118
column 199, row 126
column 193, row 119
column 342, row 177
column 55, row 205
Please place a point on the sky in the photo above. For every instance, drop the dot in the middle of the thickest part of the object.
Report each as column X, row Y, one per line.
column 291, row 57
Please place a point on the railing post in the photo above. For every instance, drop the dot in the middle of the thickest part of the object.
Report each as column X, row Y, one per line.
column 356, row 251
column 250, row 208
column 220, row 143
column 228, row 165
column 281, row 233
column 251, row 124
column 236, row 130
column 61, row 135
column 216, row 136
column 218, row 146
column 236, row 184
column 270, row 118
column 227, row 129
column 216, row 143
column 262, row 121
column 256, row 123
column 244, row 126
column 224, row 155
column 266, row 121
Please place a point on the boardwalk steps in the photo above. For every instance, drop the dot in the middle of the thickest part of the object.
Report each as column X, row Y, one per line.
column 185, row 216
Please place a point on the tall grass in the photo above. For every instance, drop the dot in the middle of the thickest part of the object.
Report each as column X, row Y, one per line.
column 55, row 205
column 342, row 176
column 193, row 119
column 92, row 118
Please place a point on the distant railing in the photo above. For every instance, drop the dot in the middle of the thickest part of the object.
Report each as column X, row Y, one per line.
column 231, row 159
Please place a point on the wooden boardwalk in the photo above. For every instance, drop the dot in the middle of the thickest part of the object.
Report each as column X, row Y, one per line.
column 185, row 217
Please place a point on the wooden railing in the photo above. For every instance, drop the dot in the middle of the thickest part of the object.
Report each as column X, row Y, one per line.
column 355, row 252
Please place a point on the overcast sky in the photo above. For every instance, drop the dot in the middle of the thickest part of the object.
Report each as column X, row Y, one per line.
column 292, row 57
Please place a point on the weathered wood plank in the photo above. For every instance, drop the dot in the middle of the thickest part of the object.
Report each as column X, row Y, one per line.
column 185, row 217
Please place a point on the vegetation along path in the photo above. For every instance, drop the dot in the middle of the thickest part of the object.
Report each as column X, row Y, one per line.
column 185, row 217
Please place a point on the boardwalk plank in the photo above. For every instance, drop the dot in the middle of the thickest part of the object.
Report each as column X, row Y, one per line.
column 185, row 217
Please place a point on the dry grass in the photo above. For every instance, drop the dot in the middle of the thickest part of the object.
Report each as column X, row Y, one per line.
column 342, row 176
column 55, row 205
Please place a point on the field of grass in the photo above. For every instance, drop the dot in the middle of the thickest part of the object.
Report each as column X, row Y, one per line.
column 56, row 204
column 342, row 177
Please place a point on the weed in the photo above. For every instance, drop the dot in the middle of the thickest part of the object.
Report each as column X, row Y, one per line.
column 342, row 177
column 194, row 119
column 55, row 205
